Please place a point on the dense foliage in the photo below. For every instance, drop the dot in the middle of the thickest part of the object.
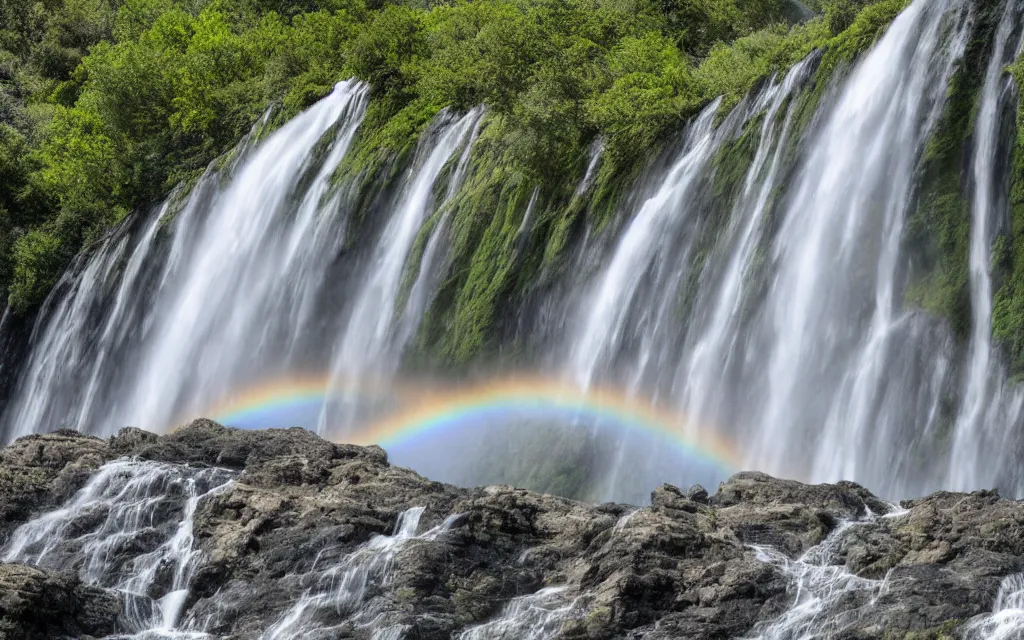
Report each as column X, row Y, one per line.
column 106, row 104
column 1008, row 253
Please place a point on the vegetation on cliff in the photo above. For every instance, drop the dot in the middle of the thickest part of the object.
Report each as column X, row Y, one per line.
column 106, row 104
column 1008, row 254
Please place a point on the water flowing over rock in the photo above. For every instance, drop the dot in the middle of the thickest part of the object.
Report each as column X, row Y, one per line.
column 368, row 344
column 1007, row 618
column 987, row 400
column 141, row 510
column 212, row 532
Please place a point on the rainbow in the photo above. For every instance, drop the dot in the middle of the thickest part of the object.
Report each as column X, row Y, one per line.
column 428, row 409
column 285, row 396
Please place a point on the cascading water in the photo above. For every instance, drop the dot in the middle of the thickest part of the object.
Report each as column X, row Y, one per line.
column 716, row 338
column 538, row 616
column 987, row 406
column 263, row 241
column 433, row 262
column 339, row 591
column 126, row 507
column 798, row 341
column 833, row 327
column 603, row 326
column 368, row 344
column 651, row 242
column 648, row 233
column 772, row 311
column 827, row 597
column 1006, row 622
column 254, row 245
column 776, row 315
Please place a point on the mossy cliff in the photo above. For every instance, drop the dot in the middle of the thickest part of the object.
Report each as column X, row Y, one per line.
column 1008, row 256
column 105, row 106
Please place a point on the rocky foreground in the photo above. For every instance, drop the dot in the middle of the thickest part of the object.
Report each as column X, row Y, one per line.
column 294, row 536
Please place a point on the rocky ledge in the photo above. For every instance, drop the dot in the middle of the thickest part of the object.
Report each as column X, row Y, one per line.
column 240, row 534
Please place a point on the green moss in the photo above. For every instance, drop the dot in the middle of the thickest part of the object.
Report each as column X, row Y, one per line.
column 732, row 162
column 492, row 261
column 1008, row 306
column 136, row 96
column 938, row 230
column 945, row 631
column 387, row 138
column 489, row 273
column 870, row 23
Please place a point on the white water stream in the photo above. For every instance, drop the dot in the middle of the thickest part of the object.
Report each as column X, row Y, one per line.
column 341, row 590
column 129, row 529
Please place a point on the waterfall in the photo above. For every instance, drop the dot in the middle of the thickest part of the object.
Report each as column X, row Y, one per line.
column 835, row 297
column 648, row 243
column 1006, row 622
column 191, row 320
column 434, row 263
column 537, row 616
column 249, row 242
column 126, row 507
column 987, row 405
column 755, row 278
column 798, row 342
column 823, row 591
column 340, row 591
column 367, row 345
column 715, row 346
column 261, row 238
column 647, row 234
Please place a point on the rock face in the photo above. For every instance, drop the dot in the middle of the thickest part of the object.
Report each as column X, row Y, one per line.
column 298, row 537
column 35, row 603
column 41, row 472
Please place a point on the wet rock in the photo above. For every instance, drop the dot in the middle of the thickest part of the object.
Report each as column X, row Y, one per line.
column 789, row 515
column 206, row 442
column 39, row 604
column 131, row 439
column 39, row 472
column 697, row 493
column 306, row 518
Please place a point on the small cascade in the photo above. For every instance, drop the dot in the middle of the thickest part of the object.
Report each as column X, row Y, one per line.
column 368, row 344
column 828, row 597
column 1006, row 622
column 648, row 237
column 538, row 616
column 987, row 405
column 129, row 529
column 713, row 350
column 593, row 162
column 526, row 226
column 434, row 261
column 339, row 593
